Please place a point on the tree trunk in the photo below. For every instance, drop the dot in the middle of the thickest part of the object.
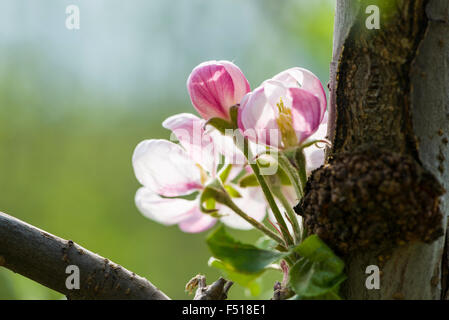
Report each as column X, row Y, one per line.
column 390, row 91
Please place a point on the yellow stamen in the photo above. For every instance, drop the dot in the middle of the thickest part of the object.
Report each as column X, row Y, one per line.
column 285, row 124
column 203, row 174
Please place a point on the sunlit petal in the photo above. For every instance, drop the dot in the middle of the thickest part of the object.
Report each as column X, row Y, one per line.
column 166, row 211
column 165, row 168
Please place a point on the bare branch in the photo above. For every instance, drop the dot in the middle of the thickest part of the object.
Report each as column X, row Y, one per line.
column 215, row 291
column 44, row 258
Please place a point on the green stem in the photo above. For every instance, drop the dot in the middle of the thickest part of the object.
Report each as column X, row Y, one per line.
column 256, row 224
column 272, row 203
column 304, row 231
column 289, row 261
column 291, row 214
column 296, row 175
column 266, row 190
column 292, row 174
column 301, row 162
column 294, row 257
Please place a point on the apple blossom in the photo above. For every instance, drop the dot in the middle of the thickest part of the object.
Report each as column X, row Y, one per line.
column 285, row 110
column 215, row 86
column 169, row 172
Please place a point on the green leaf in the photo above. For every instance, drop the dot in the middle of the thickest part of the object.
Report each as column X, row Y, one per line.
column 220, row 124
column 249, row 181
column 212, row 193
column 232, row 192
column 224, row 173
column 209, row 204
column 285, row 180
column 246, row 280
column 266, row 243
column 318, row 273
column 241, row 257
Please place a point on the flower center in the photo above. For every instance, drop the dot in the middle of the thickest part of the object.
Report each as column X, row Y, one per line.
column 285, row 124
column 203, row 174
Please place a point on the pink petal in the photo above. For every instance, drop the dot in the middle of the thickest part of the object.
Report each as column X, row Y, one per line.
column 241, row 85
column 306, row 112
column 167, row 211
column 197, row 222
column 214, row 87
column 303, row 78
column 321, row 133
column 165, row 168
column 257, row 118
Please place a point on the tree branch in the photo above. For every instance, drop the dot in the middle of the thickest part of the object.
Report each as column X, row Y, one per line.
column 44, row 258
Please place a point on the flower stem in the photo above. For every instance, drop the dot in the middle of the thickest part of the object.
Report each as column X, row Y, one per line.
column 266, row 190
column 291, row 214
column 298, row 158
column 301, row 163
column 256, row 224
column 292, row 174
column 289, row 261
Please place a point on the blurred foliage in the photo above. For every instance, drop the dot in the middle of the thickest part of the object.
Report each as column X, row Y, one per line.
column 66, row 142
column 307, row 26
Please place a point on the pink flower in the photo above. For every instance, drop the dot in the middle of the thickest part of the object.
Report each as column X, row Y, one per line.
column 169, row 172
column 204, row 145
column 215, row 86
column 285, row 110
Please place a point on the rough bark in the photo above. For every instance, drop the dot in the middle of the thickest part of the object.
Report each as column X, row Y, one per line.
column 44, row 258
column 390, row 90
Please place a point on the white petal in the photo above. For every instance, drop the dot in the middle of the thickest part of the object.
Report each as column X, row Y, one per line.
column 167, row 211
column 314, row 158
column 315, row 155
column 224, row 145
column 164, row 168
column 199, row 144
column 252, row 203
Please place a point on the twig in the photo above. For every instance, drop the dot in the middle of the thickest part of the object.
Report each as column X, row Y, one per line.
column 216, row 291
column 44, row 258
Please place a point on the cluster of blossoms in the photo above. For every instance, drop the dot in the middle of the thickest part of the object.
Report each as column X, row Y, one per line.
column 218, row 170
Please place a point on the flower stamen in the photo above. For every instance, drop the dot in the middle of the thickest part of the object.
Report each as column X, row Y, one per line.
column 285, row 124
column 203, row 174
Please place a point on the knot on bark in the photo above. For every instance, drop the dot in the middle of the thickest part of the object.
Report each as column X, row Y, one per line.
column 372, row 200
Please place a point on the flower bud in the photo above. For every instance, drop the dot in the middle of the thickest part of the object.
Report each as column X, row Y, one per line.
column 215, row 86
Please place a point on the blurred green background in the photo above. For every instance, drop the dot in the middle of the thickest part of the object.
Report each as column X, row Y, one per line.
column 74, row 104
